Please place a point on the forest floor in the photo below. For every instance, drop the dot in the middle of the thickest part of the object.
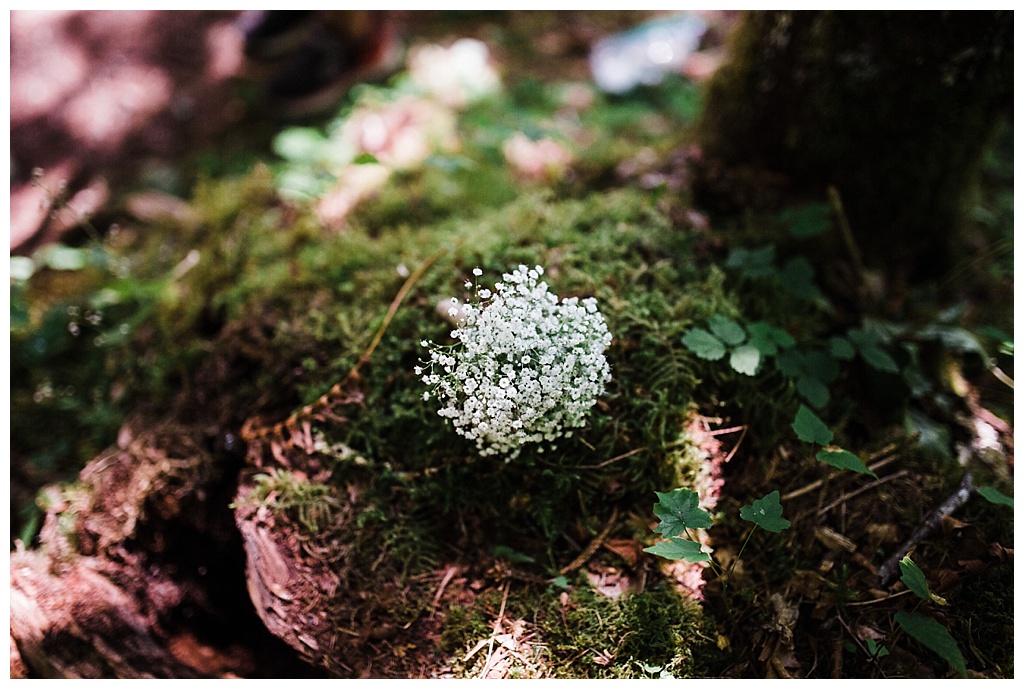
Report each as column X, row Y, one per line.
column 200, row 323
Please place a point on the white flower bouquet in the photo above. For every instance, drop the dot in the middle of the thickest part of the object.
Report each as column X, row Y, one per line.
column 526, row 368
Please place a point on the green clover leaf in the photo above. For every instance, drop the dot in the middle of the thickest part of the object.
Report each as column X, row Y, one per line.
column 727, row 330
column 745, row 359
column 766, row 513
column 678, row 512
column 704, row 344
column 679, row 549
column 768, row 339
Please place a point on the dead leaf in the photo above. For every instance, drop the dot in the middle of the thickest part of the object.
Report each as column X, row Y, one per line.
column 626, row 548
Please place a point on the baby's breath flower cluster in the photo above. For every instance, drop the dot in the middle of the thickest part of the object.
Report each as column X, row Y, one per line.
column 527, row 367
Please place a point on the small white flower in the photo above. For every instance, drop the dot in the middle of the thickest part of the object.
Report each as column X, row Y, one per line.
column 477, row 272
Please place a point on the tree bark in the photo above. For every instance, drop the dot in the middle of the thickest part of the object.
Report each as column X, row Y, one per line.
column 892, row 109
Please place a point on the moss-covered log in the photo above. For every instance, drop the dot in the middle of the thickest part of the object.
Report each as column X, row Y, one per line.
column 893, row 109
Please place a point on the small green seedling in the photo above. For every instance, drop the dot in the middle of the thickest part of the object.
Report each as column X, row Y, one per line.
column 914, row 579
column 766, row 513
column 923, row 628
column 679, row 512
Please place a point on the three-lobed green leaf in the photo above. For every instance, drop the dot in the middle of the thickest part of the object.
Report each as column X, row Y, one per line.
column 766, row 512
column 934, row 636
column 679, row 511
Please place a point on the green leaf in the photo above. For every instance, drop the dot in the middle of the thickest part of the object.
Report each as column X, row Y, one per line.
column 840, row 348
column 797, row 277
column 874, row 649
column 820, row 365
column 505, row 552
column 753, row 263
column 561, row 581
column 300, row 144
column 790, row 362
column 812, row 390
column 933, row 635
column 768, row 339
column 934, row 438
column 679, row 549
column 745, row 359
column 679, row 511
column 841, row 459
column 913, row 577
column 863, row 337
column 810, row 428
column 879, row 359
column 808, row 220
column 766, row 513
column 994, row 496
column 704, row 344
column 366, row 159
column 727, row 330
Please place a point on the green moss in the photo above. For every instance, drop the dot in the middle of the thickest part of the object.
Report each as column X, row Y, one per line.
column 462, row 626
column 309, row 503
column 652, row 629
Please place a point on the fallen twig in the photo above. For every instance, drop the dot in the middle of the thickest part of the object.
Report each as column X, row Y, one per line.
column 605, row 463
column 495, row 630
column 736, row 446
column 593, row 547
column 887, row 572
column 444, row 583
column 870, row 486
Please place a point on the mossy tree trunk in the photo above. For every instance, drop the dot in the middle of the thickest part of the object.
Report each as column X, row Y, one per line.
column 893, row 109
